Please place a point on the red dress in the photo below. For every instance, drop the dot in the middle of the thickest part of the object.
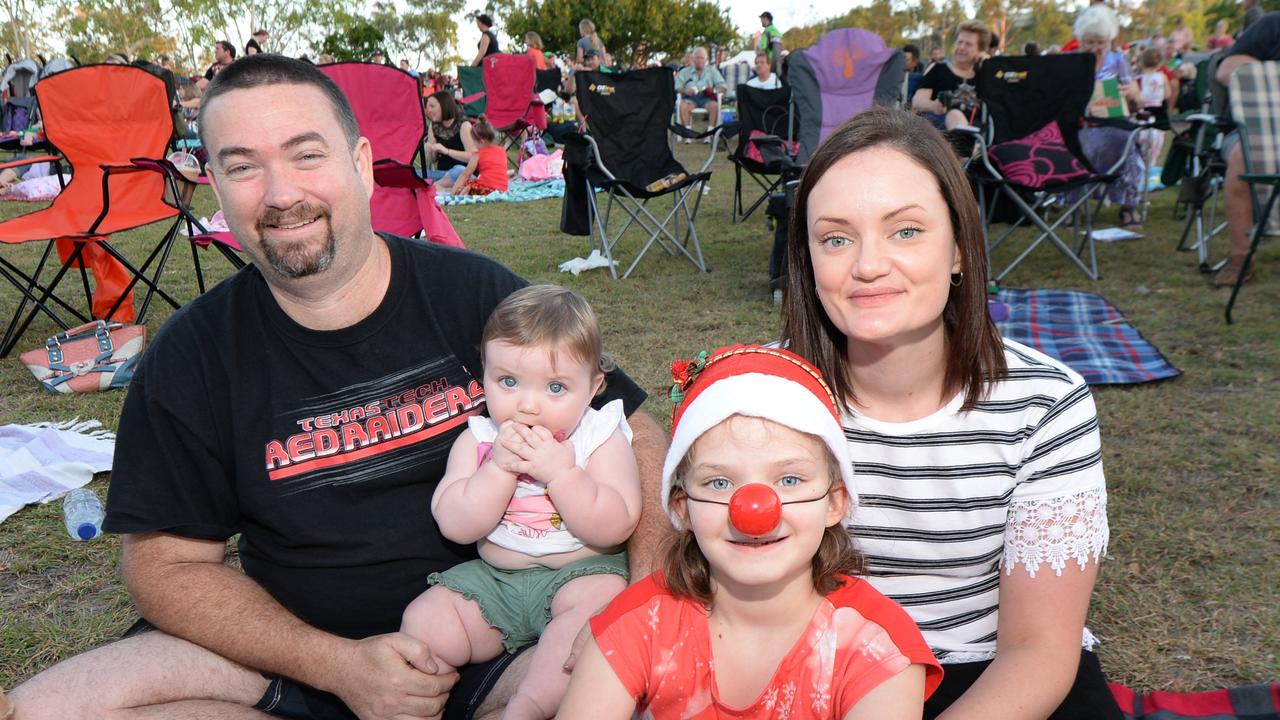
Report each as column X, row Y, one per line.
column 660, row 648
column 491, row 171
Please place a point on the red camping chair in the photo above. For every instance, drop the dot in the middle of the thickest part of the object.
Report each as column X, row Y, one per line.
column 389, row 111
column 98, row 117
column 513, row 108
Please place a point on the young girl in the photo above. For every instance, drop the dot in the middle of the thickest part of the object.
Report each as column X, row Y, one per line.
column 1155, row 94
column 755, row 613
column 486, row 171
column 546, row 486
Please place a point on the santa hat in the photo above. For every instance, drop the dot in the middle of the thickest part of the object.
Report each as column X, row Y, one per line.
column 754, row 381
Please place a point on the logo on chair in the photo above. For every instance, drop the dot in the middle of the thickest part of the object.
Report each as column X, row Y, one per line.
column 847, row 59
column 602, row 89
column 1011, row 76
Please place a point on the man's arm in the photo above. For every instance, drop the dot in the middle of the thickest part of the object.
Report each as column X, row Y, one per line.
column 1230, row 65
column 182, row 586
column 650, row 446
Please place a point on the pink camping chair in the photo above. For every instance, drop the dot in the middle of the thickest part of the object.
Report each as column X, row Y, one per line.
column 512, row 107
column 388, row 109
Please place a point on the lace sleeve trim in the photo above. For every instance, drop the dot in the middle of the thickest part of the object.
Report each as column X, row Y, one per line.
column 1055, row 531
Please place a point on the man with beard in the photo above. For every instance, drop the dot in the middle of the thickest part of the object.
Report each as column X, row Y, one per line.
column 307, row 404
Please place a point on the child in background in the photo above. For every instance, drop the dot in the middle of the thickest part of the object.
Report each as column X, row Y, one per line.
column 756, row 613
column 486, row 171
column 546, row 486
column 1155, row 93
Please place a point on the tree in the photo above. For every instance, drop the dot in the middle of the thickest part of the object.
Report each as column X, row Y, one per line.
column 294, row 25
column 630, row 29
column 95, row 29
column 358, row 41
column 425, row 31
column 25, row 28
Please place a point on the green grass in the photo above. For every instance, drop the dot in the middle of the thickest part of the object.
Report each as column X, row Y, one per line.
column 1186, row 599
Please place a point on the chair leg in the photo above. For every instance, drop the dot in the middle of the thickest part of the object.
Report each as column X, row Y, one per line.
column 1259, row 232
column 12, row 335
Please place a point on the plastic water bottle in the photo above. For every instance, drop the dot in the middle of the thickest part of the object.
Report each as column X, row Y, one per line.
column 82, row 513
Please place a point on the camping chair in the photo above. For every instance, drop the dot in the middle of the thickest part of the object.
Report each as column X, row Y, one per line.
column 512, row 107
column 1255, row 108
column 844, row 73
column 99, row 116
column 1200, row 173
column 767, row 124
column 388, row 110
column 18, row 84
column 625, row 152
column 471, row 81
column 1031, row 150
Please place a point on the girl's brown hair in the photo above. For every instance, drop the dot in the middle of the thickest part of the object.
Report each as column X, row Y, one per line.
column 482, row 130
column 551, row 317
column 688, row 574
column 974, row 352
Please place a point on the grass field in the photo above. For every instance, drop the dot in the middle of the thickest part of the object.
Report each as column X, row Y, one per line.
column 1187, row 596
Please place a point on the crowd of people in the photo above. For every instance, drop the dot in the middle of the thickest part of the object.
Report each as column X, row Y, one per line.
column 448, row 500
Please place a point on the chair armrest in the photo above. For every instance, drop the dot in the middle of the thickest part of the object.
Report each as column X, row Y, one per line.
column 30, row 161
column 393, row 174
column 1260, row 178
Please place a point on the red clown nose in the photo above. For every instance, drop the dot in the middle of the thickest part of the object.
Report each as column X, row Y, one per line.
column 755, row 509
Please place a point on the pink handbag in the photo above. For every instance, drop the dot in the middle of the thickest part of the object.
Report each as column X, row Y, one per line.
column 89, row 358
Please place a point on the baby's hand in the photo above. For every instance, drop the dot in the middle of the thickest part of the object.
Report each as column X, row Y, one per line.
column 543, row 456
column 501, row 453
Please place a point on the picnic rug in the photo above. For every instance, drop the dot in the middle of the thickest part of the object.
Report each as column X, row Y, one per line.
column 519, row 191
column 1247, row 702
column 1086, row 333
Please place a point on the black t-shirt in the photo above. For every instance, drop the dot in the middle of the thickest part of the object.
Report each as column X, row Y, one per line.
column 941, row 79
column 1260, row 40
column 493, row 44
column 321, row 448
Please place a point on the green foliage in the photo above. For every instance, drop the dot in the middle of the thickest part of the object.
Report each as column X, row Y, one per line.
column 633, row 31
column 423, row 32
column 358, row 40
column 95, row 29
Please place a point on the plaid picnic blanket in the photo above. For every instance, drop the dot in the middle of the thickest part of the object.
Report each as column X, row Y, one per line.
column 1248, row 702
column 519, row 191
column 1086, row 333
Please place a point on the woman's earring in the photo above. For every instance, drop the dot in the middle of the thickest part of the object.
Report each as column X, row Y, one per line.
column 957, row 278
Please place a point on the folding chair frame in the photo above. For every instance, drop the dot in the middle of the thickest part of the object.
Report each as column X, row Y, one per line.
column 638, row 212
column 1266, row 75
column 1208, row 168
column 1078, row 212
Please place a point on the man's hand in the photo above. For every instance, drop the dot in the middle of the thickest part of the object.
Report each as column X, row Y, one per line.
column 542, row 456
column 392, row 676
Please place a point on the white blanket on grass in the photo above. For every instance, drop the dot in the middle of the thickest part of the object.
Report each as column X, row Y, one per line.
column 43, row 462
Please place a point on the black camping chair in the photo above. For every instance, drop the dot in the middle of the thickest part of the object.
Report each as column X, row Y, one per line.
column 766, row 126
column 1031, row 150
column 624, row 151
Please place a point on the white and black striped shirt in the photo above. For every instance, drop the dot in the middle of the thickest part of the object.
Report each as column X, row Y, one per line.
column 948, row 499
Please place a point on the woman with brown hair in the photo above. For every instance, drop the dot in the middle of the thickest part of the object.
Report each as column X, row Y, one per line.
column 450, row 142
column 977, row 459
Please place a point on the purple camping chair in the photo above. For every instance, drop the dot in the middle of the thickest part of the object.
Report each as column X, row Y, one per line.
column 844, row 73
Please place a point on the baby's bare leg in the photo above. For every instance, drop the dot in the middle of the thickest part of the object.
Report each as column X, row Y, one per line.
column 543, row 688
column 452, row 627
